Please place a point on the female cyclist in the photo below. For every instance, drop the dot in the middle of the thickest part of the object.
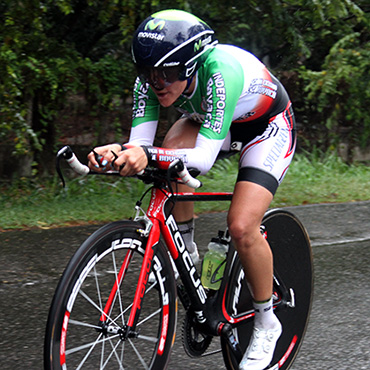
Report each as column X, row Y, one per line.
column 229, row 102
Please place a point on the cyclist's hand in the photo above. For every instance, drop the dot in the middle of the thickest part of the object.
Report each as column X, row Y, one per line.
column 131, row 161
column 100, row 158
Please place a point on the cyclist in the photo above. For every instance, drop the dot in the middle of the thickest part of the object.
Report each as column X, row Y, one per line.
column 230, row 103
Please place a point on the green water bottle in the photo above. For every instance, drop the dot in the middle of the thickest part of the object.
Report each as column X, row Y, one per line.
column 214, row 261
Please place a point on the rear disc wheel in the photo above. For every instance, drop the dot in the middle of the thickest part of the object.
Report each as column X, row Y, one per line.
column 293, row 290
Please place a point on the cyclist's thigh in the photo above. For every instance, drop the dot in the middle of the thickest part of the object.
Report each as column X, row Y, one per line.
column 182, row 134
column 265, row 159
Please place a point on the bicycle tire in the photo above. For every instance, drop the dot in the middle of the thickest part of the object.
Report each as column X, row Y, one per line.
column 291, row 248
column 74, row 337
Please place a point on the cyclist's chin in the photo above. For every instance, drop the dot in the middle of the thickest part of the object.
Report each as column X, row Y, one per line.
column 170, row 94
column 166, row 99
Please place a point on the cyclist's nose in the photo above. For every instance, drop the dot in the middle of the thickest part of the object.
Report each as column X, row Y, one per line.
column 157, row 80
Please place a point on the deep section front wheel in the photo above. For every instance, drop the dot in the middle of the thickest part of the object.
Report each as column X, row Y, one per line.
column 293, row 289
column 87, row 324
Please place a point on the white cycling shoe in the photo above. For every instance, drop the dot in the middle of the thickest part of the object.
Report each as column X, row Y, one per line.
column 194, row 255
column 261, row 348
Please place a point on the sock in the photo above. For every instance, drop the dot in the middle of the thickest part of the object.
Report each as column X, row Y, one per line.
column 187, row 231
column 264, row 315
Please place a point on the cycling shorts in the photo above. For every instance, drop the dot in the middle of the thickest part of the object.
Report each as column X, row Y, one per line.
column 266, row 149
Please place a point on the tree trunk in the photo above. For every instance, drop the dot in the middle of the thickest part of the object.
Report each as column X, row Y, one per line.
column 24, row 162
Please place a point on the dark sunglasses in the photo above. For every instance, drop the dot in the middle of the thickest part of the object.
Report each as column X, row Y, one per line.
column 159, row 77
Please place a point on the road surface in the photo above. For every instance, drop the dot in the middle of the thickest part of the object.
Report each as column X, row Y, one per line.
column 339, row 330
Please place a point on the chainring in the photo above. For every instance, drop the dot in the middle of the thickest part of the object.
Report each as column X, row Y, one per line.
column 195, row 342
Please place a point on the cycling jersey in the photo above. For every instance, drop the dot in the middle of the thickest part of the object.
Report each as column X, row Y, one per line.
column 233, row 89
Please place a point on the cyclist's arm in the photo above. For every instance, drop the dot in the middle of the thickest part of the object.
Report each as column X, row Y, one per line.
column 145, row 115
column 143, row 134
column 144, row 126
column 201, row 157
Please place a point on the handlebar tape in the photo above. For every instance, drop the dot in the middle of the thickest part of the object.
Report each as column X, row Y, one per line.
column 72, row 160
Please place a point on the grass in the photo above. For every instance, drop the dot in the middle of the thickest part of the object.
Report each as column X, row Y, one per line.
column 312, row 178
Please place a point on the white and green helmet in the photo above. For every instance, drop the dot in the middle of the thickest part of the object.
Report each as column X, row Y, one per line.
column 173, row 41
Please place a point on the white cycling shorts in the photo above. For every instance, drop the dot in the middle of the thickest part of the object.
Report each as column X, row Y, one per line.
column 266, row 150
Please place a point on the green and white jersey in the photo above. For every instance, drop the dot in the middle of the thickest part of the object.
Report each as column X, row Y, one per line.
column 232, row 87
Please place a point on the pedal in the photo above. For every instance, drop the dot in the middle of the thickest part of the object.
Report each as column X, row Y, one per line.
column 227, row 333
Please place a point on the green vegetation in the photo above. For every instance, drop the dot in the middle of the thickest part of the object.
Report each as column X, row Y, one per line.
column 313, row 178
column 56, row 52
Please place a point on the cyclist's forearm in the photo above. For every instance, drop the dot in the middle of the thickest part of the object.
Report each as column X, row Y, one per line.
column 201, row 157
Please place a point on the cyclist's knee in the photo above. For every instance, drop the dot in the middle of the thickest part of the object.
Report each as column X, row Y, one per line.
column 182, row 134
column 243, row 232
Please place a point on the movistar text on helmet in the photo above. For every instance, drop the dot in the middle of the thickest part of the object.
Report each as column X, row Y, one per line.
column 151, row 35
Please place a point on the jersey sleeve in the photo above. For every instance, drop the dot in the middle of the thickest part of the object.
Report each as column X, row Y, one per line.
column 201, row 157
column 145, row 115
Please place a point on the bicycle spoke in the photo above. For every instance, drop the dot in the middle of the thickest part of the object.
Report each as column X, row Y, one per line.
column 118, row 280
column 102, row 355
column 80, row 323
column 149, row 317
column 138, row 355
column 130, row 305
column 89, row 345
column 87, row 354
column 94, row 304
column 114, row 352
column 149, row 339
column 118, row 283
column 86, row 357
column 98, row 288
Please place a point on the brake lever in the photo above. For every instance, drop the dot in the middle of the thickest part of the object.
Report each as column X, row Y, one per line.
column 100, row 159
column 65, row 152
column 116, row 157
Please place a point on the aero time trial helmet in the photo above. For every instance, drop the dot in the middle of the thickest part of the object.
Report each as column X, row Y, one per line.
column 171, row 45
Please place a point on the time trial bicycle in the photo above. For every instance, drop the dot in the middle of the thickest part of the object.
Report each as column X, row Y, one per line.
column 115, row 306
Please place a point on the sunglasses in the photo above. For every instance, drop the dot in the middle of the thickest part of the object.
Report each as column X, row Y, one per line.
column 159, row 77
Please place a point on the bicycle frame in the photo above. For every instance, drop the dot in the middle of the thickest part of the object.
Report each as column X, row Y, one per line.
column 160, row 221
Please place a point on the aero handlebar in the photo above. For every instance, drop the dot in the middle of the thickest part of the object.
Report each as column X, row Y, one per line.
column 177, row 166
column 67, row 153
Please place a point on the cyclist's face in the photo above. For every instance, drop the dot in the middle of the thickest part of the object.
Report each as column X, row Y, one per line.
column 164, row 82
column 169, row 94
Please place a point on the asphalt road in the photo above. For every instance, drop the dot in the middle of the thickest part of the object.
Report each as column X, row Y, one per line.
column 339, row 330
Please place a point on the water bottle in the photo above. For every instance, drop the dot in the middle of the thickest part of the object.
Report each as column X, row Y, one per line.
column 214, row 262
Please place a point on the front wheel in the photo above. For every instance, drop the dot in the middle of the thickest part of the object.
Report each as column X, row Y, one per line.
column 293, row 290
column 87, row 324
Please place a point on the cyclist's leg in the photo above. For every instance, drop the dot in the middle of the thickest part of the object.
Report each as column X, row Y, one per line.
column 293, row 286
column 183, row 134
column 249, row 204
column 259, row 176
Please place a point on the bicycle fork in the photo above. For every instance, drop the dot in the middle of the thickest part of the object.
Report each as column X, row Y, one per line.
column 153, row 240
column 129, row 329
